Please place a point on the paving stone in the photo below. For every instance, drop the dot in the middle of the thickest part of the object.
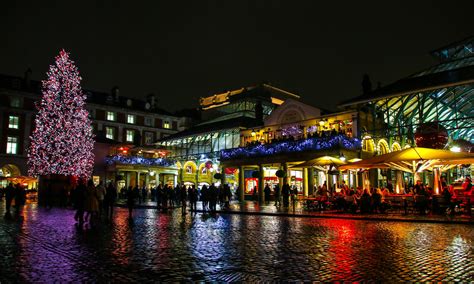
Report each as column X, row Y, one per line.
column 47, row 246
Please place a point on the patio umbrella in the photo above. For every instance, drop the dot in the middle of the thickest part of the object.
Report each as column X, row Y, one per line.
column 324, row 163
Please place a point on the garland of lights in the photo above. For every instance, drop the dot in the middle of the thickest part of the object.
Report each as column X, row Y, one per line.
column 135, row 160
column 62, row 141
column 323, row 143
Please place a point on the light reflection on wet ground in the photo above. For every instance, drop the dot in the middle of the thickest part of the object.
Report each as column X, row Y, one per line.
column 47, row 246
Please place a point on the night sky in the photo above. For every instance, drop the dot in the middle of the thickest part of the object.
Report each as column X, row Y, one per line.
column 183, row 50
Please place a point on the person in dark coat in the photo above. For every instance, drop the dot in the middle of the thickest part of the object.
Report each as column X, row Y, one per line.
column 131, row 195
column 193, row 197
column 109, row 200
column 79, row 201
column 183, row 197
column 20, row 198
column 9, row 195
column 267, row 191
column 277, row 195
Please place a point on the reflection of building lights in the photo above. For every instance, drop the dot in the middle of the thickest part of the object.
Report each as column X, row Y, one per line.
column 342, row 158
column 456, row 149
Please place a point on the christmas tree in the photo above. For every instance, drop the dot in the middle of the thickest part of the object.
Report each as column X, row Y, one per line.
column 62, row 141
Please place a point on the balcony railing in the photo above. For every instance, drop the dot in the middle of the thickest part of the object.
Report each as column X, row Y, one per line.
column 136, row 160
column 311, row 144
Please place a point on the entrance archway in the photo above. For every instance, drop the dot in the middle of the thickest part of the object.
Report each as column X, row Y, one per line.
column 10, row 170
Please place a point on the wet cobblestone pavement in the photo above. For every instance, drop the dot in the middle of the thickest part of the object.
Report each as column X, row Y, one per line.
column 46, row 246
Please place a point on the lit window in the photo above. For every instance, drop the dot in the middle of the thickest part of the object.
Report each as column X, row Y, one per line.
column 166, row 124
column 129, row 135
column 130, row 118
column 12, row 145
column 13, row 121
column 148, row 137
column 15, row 102
column 148, row 121
column 111, row 116
column 109, row 132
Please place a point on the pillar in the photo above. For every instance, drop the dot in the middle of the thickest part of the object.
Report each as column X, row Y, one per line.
column 241, row 184
column 261, row 184
column 147, row 180
column 138, row 180
column 287, row 176
column 157, row 178
column 127, row 179
column 310, row 180
column 305, row 182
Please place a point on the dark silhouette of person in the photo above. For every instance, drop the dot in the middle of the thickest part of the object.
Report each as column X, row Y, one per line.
column 267, row 191
column 193, row 197
column 183, row 198
column 131, row 195
column 9, row 195
column 109, row 200
column 79, row 201
column 285, row 191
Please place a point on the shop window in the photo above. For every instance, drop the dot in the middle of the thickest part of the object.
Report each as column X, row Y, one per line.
column 109, row 132
column 189, row 169
column 15, row 102
column 12, row 145
column 13, row 121
column 111, row 116
column 148, row 121
column 129, row 135
column 148, row 137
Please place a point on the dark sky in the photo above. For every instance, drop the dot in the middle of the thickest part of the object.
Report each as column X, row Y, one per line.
column 182, row 50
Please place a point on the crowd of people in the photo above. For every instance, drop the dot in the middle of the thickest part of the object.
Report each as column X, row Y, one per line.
column 14, row 194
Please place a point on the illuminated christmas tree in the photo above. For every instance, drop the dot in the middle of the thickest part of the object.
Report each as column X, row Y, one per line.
column 62, row 141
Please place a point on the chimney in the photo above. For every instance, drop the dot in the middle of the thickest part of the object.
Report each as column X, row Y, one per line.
column 115, row 93
column 27, row 78
column 151, row 99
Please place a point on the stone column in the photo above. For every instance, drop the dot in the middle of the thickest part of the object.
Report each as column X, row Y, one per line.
column 127, row 179
column 305, row 182
column 157, row 178
column 241, row 184
column 138, row 179
column 147, row 179
column 310, row 180
column 261, row 184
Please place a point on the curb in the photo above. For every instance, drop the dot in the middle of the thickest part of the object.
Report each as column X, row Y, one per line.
column 395, row 219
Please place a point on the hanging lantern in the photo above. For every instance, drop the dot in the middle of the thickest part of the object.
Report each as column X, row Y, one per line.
column 431, row 135
column 280, row 173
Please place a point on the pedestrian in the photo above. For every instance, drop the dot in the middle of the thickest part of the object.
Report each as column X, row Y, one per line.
column 20, row 198
column 92, row 202
column 130, row 201
column 183, row 197
column 79, row 198
column 227, row 196
column 9, row 195
column 100, row 197
column 213, row 198
column 267, row 191
column 193, row 196
column 277, row 195
column 109, row 200
column 254, row 194
column 205, row 197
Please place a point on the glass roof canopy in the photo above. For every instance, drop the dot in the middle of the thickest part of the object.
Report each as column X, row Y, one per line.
column 442, row 93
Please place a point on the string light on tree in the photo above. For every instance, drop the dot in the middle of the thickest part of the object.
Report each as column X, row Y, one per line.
column 62, row 141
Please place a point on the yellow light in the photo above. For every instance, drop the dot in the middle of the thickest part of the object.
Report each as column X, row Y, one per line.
column 253, row 133
column 456, row 149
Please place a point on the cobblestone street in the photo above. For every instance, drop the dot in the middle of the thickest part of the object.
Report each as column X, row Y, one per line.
column 47, row 246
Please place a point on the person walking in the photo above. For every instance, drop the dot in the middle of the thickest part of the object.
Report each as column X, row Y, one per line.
column 130, row 201
column 100, row 197
column 79, row 198
column 9, row 195
column 20, row 198
column 109, row 200
column 267, row 191
column 193, row 197
column 277, row 195
column 183, row 197
column 92, row 202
